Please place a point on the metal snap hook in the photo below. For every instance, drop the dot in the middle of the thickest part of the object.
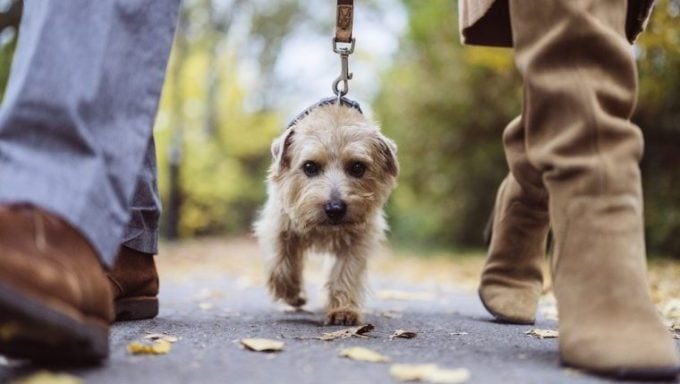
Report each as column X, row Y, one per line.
column 345, row 75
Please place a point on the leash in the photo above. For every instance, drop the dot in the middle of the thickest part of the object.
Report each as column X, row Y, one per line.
column 343, row 44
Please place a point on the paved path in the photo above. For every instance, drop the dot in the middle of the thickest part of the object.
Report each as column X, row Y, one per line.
column 210, row 311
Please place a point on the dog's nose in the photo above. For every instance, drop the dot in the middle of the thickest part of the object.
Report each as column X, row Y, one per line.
column 335, row 210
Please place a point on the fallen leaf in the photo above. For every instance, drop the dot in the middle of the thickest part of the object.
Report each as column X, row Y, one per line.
column 158, row 347
column 349, row 332
column 161, row 336
column 404, row 295
column 364, row 354
column 458, row 333
column 543, row 333
column 429, row 373
column 403, row 334
column 671, row 309
column 262, row 345
column 45, row 377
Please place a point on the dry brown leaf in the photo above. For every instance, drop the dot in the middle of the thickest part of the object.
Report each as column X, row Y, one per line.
column 45, row 377
column 404, row 295
column 349, row 332
column 158, row 347
column 262, row 345
column 430, row 373
column 161, row 336
column 364, row 354
column 403, row 334
column 543, row 333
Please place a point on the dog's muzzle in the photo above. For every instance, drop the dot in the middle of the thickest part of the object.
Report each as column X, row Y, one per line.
column 335, row 211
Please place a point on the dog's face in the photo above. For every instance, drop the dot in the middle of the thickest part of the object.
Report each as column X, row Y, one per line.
column 333, row 169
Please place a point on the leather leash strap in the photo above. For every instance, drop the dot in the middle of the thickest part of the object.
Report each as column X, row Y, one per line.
column 344, row 21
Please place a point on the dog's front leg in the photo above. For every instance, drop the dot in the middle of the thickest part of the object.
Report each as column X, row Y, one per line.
column 346, row 289
column 285, row 273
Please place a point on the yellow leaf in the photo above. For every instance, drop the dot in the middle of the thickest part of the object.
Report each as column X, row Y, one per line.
column 45, row 377
column 159, row 347
column 543, row 333
column 429, row 373
column 262, row 345
column 364, row 354
column 387, row 294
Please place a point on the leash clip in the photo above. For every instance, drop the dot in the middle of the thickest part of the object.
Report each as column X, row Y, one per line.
column 345, row 74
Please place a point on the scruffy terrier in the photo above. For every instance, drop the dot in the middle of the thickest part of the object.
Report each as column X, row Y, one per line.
column 331, row 175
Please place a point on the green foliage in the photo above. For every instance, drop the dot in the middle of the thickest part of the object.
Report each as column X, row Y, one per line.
column 446, row 107
column 222, row 170
column 658, row 114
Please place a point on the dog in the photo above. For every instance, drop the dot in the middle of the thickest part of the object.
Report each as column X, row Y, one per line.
column 331, row 174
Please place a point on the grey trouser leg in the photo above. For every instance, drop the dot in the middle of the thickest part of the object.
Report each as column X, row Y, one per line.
column 79, row 109
column 141, row 232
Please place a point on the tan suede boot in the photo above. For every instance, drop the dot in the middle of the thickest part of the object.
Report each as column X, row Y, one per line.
column 55, row 301
column 512, row 279
column 580, row 86
column 134, row 282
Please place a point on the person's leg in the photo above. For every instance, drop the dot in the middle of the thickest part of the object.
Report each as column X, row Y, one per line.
column 512, row 278
column 141, row 231
column 133, row 277
column 579, row 93
column 75, row 121
column 79, row 108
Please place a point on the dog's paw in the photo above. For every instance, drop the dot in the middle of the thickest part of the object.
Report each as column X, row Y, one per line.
column 343, row 317
column 297, row 301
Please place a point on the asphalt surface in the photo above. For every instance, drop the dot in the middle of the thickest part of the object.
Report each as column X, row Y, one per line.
column 210, row 314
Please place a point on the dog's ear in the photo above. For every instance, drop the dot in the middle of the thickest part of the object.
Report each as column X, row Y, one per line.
column 280, row 147
column 388, row 154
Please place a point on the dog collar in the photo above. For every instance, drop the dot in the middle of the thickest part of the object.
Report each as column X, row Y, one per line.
column 327, row 101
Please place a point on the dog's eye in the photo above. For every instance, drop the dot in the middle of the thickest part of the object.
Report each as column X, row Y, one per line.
column 311, row 168
column 357, row 170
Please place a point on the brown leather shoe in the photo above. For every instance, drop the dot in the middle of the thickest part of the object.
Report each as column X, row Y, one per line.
column 55, row 302
column 134, row 283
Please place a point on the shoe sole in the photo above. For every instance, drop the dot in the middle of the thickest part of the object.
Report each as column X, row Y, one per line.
column 136, row 308
column 30, row 329
column 633, row 374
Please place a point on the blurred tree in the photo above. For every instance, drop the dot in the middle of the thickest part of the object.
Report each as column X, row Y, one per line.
column 658, row 114
column 10, row 16
column 446, row 107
